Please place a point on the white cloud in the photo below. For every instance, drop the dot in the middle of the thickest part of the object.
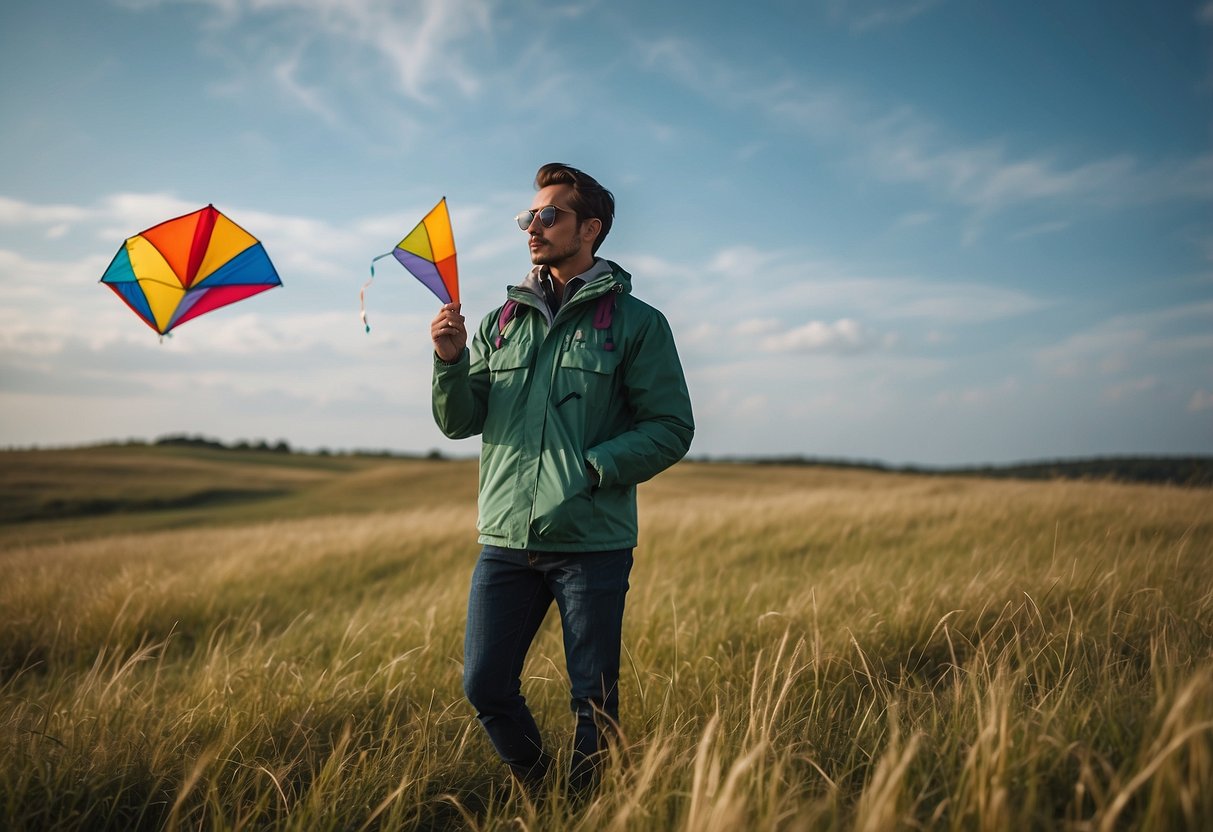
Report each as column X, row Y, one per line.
column 286, row 74
column 1201, row 400
column 1102, row 346
column 750, row 150
column 1127, row 389
column 18, row 212
column 842, row 337
column 914, row 219
column 789, row 287
column 868, row 15
column 740, row 260
column 909, row 298
column 899, row 145
column 124, row 214
column 571, row 10
column 1041, row 229
column 797, row 281
column 906, row 148
column 980, row 396
column 423, row 42
column 1123, row 342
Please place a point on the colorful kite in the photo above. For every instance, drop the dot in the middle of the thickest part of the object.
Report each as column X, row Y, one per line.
column 428, row 252
column 186, row 267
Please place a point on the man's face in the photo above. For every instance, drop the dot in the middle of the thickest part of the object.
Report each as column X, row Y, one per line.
column 564, row 242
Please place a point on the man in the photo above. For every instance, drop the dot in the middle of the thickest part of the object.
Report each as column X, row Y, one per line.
column 577, row 390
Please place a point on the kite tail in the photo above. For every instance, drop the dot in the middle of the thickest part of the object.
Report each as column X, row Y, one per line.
column 362, row 292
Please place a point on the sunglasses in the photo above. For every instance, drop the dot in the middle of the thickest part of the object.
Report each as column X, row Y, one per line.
column 547, row 216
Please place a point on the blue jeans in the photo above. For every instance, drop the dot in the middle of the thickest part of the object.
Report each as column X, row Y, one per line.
column 510, row 595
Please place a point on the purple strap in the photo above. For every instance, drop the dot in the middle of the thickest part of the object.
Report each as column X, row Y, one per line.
column 603, row 314
column 606, row 308
column 503, row 320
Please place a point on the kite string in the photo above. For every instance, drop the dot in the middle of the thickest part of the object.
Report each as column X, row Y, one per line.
column 362, row 292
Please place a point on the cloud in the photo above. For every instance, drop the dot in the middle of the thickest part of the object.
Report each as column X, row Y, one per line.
column 286, row 74
column 899, row 298
column 979, row 396
column 897, row 145
column 1201, row 400
column 801, row 287
column 1126, row 389
column 904, row 147
column 914, row 219
column 867, row 15
column 1041, row 229
column 1124, row 342
column 842, row 337
column 1102, row 346
column 17, row 212
column 422, row 42
column 122, row 214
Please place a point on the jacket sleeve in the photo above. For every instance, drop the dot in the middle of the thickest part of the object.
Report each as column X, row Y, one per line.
column 662, row 423
column 460, row 391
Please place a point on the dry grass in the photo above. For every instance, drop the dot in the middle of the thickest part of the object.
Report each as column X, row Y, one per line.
column 805, row 649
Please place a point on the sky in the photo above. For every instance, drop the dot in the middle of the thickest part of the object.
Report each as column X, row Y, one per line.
column 931, row 232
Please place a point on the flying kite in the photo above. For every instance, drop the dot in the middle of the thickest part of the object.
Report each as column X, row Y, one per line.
column 428, row 252
column 188, row 266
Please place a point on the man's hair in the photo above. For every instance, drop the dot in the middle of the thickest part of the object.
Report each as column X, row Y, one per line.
column 590, row 200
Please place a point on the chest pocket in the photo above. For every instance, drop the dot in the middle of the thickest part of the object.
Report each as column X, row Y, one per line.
column 590, row 360
column 509, row 369
column 515, row 355
column 586, row 379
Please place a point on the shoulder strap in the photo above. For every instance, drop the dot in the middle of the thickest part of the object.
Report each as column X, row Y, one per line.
column 508, row 313
column 604, row 313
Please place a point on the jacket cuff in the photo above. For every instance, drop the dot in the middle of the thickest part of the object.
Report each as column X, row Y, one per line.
column 458, row 367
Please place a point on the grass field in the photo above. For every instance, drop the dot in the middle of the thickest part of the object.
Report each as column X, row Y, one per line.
column 213, row 640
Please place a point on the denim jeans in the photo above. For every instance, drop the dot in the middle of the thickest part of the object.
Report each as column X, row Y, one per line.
column 510, row 595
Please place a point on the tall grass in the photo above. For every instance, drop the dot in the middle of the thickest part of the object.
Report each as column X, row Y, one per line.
column 804, row 649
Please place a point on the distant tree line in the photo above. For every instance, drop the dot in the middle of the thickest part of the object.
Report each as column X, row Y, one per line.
column 182, row 440
column 1191, row 471
column 279, row 447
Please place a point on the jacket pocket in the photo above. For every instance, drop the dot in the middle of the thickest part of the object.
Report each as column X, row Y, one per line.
column 587, row 374
column 564, row 507
column 514, row 355
column 509, row 368
column 587, row 394
column 591, row 360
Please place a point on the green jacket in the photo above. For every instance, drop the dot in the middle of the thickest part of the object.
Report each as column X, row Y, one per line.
column 554, row 397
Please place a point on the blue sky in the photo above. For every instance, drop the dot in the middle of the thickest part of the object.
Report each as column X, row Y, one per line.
column 929, row 231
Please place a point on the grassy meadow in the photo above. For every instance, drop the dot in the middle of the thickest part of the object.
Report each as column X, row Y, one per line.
column 194, row 639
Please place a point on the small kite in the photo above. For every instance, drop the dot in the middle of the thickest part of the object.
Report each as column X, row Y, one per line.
column 185, row 267
column 428, row 252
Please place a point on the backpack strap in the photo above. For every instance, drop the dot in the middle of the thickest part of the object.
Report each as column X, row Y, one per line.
column 604, row 313
column 508, row 313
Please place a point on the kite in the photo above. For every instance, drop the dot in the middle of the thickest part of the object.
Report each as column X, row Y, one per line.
column 188, row 266
column 428, row 252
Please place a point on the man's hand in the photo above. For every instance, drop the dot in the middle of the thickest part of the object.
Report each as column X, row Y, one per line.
column 449, row 334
